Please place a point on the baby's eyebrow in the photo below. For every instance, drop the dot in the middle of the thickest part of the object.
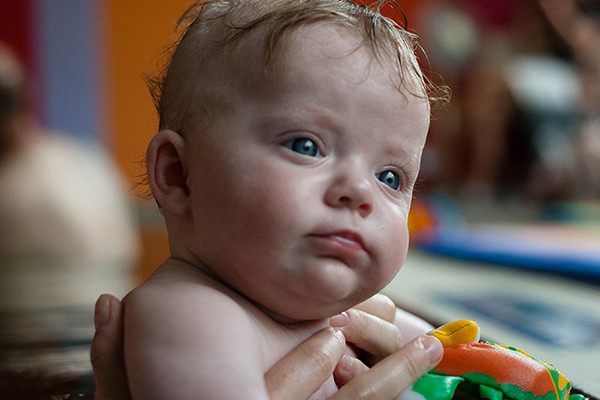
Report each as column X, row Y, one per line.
column 408, row 161
column 304, row 116
column 400, row 150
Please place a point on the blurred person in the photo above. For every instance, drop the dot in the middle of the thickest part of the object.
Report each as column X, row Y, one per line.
column 578, row 22
column 514, row 101
column 60, row 201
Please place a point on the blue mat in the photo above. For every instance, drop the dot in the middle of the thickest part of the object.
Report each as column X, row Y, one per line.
column 556, row 248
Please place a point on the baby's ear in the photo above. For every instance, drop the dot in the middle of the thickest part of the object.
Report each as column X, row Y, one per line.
column 167, row 171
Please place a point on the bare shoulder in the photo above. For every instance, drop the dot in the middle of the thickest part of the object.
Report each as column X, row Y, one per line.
column 180, row 295
column 183, row 326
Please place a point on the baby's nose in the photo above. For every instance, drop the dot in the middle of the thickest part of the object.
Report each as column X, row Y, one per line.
column 352, row 191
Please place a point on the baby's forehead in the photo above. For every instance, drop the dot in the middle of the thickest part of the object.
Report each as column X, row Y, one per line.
column 326, row 39
column 247, row 70
column 318, row 60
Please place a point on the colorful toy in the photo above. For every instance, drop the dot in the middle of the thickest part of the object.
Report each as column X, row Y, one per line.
column 475, row 370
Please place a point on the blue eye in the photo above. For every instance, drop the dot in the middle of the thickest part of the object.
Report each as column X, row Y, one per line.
column 304, row 146
column 390, row 178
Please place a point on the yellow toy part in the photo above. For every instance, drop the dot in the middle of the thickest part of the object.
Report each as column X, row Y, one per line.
column 457, row 332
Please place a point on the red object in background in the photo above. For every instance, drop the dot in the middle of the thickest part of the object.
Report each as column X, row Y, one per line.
column 16, row 30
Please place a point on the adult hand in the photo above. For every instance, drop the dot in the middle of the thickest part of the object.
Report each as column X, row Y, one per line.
column 371, row 327
column 395, row 373
column 296, row 376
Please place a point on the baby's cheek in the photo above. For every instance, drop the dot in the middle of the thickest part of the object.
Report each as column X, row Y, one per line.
column 396, row 238
column 397, row 249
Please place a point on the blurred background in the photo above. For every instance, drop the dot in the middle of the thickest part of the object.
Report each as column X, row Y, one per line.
column 510, row 181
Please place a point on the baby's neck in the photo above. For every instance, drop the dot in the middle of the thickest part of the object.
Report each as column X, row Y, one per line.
column 288, row 321
column 284, row 320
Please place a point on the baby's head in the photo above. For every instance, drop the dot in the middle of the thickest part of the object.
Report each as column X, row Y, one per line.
column 291, row 137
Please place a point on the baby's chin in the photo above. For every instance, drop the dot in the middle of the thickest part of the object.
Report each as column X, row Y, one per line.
column 316, row 300
column 303, row 314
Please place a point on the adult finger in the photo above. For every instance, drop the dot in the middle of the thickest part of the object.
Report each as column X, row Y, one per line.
column 106, row 353
column 302, row 371
column 379, row 305
column 395, row 373
column 348, row 368
column 377, row 337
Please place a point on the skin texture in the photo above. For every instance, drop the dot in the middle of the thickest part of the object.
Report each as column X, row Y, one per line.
column 289, row 209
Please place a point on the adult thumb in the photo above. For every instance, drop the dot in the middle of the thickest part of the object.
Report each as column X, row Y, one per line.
column 107, row 350
column 395, row 373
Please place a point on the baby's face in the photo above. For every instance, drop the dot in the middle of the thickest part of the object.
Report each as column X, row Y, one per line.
column 302, row 189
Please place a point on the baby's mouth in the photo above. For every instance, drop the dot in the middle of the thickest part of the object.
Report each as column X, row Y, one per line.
column 344, row 240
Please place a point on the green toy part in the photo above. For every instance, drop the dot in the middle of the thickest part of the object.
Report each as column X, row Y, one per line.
column 436, row 386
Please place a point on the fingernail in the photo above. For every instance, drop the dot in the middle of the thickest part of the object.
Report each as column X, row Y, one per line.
column 339, row 321
column 433, row 347
column 102, row 311
column 433, row 330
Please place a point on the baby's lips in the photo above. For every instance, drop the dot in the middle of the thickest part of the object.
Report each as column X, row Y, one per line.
column 457, row 332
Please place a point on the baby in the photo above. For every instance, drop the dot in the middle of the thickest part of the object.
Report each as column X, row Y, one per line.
column 290, row 140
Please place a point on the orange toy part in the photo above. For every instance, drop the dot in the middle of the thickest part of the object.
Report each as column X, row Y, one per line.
column 506, row 365
column 421, row 219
